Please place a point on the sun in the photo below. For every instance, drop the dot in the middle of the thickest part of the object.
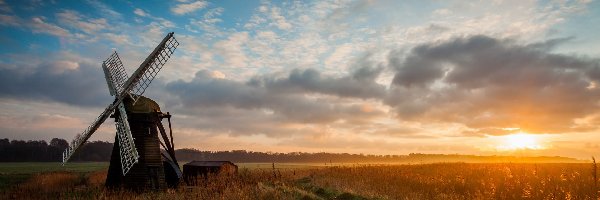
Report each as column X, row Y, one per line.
column 520, row 141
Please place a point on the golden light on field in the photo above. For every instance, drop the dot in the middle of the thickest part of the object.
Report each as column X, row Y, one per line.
column 519, row 141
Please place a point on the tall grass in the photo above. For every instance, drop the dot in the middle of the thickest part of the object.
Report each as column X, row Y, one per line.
column 428, row 181
column 462, row 181
column 247, row 184
column 594, row 171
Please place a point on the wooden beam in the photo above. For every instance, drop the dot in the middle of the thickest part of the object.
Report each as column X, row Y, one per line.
column 170, row 149
column 170, row 130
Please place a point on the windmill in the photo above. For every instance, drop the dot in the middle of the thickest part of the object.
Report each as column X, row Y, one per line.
column 137, row 161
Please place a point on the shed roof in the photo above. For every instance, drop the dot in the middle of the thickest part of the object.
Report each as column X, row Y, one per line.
column 208, row 163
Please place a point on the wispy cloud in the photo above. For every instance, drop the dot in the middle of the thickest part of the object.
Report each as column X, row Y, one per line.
column 75, row 20
column 4, row 7
column 38, row 25
column 162, row 21
column 10, row 20
column 35, row 25
column 184, row 8
column 140, row 12
column 105, row 9
column 208, row 23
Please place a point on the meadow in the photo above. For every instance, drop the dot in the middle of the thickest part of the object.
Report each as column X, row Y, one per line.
column 306, row 181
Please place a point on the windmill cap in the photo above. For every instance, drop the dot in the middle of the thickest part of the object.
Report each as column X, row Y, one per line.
column 142, row 105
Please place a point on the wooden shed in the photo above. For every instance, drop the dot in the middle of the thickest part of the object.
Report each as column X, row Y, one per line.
column 193, row 169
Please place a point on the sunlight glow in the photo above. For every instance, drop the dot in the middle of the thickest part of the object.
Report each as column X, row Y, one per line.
column 519, row 141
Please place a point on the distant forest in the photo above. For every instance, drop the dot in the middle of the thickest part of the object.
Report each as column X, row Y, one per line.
column 42, row 151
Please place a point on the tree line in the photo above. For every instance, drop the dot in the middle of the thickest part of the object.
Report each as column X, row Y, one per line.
column 42, row 151
column 244, row 156
column 100, row 151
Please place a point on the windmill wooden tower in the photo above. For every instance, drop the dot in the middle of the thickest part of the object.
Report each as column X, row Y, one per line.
column 137, row 161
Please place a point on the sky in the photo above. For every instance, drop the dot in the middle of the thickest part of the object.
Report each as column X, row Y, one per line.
column 501, row 77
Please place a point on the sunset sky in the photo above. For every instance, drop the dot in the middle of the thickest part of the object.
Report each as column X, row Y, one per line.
column 374, row 77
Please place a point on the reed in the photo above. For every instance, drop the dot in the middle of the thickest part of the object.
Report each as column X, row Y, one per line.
column 427, row 181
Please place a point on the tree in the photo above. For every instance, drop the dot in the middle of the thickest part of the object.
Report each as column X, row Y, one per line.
column 59, row 143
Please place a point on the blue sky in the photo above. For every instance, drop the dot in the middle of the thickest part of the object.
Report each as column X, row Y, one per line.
column 359, row 76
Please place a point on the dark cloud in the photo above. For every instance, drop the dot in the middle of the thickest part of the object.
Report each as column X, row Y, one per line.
column 488, row 84
column 483, row 83
column 361, row 84
column 266, row 105
column 67, row 82
column 274, row 106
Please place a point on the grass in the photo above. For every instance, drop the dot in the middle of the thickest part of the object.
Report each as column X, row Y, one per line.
column 14, row 173
column 426, row 181
column 280, row 165
column 463, row 181
column 38, row 167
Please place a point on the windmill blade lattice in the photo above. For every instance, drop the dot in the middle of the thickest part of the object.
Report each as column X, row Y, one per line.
column 154, row 64
column 115, row 74
column 127, row 150
column 85, row 135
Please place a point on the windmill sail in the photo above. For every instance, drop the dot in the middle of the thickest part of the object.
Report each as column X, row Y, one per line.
column 143, row 76
column 136, row 84
column 85, row 135
column 115, row 74
column 129, row 155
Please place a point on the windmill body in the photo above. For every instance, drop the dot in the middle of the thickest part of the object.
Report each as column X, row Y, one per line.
column 137, row 161
column 149, row 172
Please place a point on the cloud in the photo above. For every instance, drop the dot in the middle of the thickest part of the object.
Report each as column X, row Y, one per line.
column 162, row 21
column 9, row 20
column 75, row 20
column 184, row 8
column 140, row 12
column 104, row 9
column 271, row 106
column 442, row 12
column 38, row 25
column 254, row 21
column 4, row 7
column 341, row 54
column 232, row 49
column 118, row 38
column 65, row 81
column 490, row 84
column 361, row 84
column 208, row 23
column 47, row 120
column 217, row 74
column 279, row 20
column 35, row 24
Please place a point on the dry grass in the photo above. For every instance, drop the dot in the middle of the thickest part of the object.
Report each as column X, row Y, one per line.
column 248, row 184
column 430, row 181
column 463, row 181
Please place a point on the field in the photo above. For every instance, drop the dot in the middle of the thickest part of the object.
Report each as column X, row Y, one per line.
column 305, row 181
